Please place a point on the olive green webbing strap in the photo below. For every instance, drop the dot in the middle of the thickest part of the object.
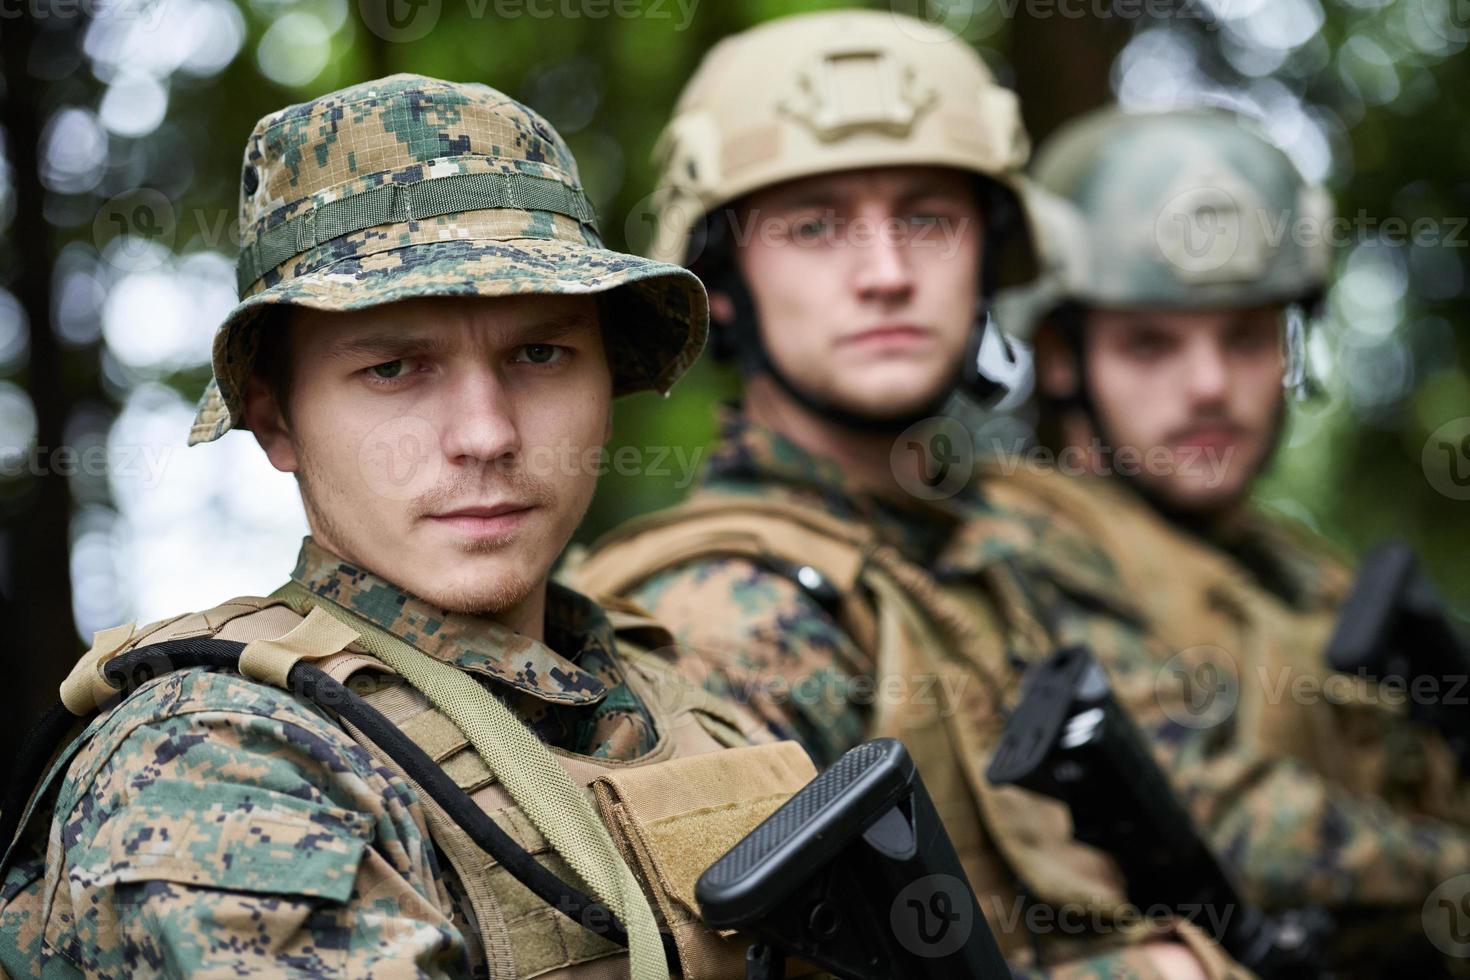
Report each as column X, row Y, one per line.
column 544, row 791
column 400, row 202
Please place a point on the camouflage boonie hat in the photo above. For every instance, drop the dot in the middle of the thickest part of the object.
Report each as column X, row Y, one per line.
column 410, row 186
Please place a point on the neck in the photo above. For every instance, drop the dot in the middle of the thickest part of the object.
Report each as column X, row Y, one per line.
column 527, row 617
column 865, row 457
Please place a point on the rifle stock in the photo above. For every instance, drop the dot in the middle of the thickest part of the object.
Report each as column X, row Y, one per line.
column 855, row 874
column 1393, row 627
column 1069, row 739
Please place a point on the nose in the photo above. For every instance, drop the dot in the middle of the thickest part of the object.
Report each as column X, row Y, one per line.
column 480, row 419
column 1209, row 370
column 883, row 271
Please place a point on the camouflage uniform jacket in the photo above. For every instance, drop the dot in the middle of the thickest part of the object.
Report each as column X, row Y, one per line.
column 756, row 635
column 212, row 825
column 1252, row 600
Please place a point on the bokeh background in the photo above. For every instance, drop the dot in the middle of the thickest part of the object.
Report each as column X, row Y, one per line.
column 124, row 123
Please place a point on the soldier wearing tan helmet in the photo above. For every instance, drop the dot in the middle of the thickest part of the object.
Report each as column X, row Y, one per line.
column 425, row 304
column 845, row 185
column 1186, row 255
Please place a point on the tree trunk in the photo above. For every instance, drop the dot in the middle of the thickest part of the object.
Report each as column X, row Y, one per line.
column 41, row 644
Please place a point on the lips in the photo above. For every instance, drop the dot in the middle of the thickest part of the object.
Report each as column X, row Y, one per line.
column 889, row 334
column 493, row 510
column 1210, row 438
column 495, row 520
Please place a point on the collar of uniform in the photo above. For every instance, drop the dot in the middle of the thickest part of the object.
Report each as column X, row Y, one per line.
column 1285, row 559
column 475, row 643
column 751, row 458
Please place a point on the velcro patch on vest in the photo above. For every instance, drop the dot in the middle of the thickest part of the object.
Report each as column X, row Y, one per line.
column 674, row 819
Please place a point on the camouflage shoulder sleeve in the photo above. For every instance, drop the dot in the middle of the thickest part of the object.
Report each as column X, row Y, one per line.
column 1297, row 837
column 756, row 638
column 217, row 826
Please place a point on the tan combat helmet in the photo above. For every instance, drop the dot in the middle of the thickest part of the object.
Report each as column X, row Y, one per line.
column 1188, row 209
column 825, row 92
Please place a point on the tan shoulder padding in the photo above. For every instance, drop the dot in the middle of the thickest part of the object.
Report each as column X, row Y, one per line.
column 712, row 525
column 246, row 618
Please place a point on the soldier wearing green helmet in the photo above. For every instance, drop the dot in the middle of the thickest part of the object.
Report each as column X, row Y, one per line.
column 425, row 304
column 1185, row 257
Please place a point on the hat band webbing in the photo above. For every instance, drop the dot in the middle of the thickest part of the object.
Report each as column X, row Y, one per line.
column 395, row 203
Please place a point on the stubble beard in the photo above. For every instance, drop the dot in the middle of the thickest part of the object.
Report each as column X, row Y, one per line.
column 494, row 596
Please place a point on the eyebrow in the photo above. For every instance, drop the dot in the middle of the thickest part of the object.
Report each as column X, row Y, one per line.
column 392, row 345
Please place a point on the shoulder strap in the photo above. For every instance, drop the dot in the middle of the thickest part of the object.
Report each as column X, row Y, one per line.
column 538, row 784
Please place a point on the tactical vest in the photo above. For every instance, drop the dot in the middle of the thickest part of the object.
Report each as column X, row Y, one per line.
column 709, row 780
column 1206, row 607
column 1016, row 846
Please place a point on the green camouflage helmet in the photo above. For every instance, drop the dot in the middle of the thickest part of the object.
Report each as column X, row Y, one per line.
column 409, row 186
column 1189, row 209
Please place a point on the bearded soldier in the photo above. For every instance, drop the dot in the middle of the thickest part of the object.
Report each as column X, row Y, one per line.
column 426, row 312
column 1186, row 257
column 844, row 183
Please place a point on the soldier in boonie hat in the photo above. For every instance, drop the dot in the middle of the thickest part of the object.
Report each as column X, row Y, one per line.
column 409, row 186
column 433, row 261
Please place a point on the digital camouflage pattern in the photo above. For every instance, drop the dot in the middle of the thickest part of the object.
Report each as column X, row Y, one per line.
column 753, row 633
column 579, row 702
column 214, row 825
column 409, row 186
column 1250, row 602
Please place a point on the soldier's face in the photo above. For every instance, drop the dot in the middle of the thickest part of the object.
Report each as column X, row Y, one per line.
column 443, row 443
column 1200, row 390
column 865, row 282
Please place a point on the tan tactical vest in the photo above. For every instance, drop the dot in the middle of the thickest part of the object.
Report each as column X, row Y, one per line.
column 1204, row 606
column 706, row 784
column 1010, row 841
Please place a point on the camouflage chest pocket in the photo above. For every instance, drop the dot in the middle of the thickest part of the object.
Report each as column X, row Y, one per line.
column 222, row 836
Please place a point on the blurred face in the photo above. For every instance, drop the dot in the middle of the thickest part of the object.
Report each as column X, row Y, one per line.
column 440, row 443
column 1202, row 387
column 865, row 282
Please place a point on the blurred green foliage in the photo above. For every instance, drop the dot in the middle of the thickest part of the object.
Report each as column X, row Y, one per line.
column 1381, row 83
